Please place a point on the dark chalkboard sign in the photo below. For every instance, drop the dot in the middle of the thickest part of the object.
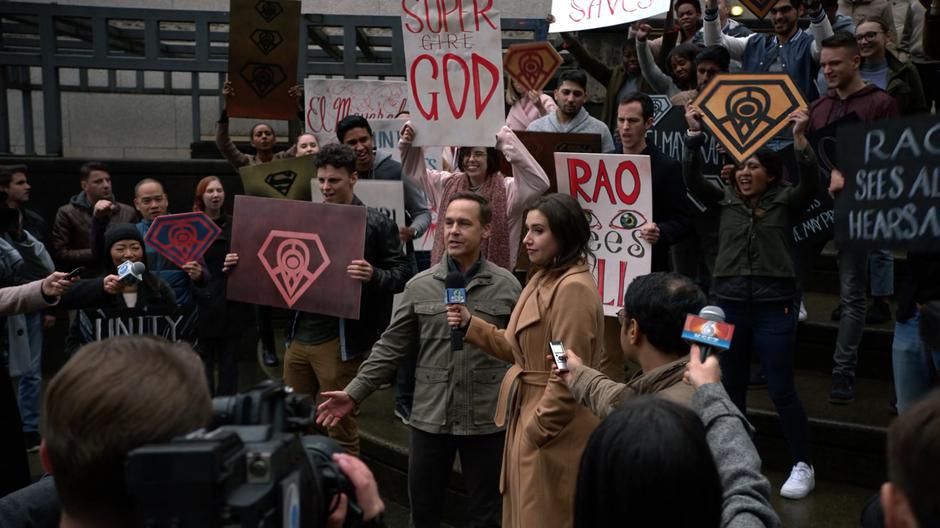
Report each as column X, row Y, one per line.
column 892, row 184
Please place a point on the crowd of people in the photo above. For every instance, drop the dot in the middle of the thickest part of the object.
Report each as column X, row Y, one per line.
column 538, row 446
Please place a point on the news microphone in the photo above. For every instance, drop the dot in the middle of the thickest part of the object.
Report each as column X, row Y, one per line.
column 455, row 292
column 131, row 272
column 709, row 330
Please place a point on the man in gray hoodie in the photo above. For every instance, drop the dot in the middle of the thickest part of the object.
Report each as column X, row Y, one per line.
column 570, row 116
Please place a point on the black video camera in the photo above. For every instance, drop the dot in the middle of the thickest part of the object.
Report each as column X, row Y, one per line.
column 252, row 470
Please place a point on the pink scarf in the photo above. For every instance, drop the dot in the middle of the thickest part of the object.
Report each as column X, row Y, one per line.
column 496, row 247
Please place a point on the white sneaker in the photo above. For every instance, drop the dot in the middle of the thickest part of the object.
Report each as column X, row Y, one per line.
column 802, row 481
column 803, row 315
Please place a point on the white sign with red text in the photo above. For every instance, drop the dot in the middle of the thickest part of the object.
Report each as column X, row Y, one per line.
column 328, row 101
column 576, row 15
column 454, row 66
column 616, row 193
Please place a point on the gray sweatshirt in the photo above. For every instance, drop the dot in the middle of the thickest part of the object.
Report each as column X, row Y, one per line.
column 582, row 123
column 746, row 492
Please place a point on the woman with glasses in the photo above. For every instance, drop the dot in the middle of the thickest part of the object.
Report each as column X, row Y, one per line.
column 883, row 69
column 478, row 171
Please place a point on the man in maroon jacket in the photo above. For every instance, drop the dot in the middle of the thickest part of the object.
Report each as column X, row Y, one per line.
column 848, row 93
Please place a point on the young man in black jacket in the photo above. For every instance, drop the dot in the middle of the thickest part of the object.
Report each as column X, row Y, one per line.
column 670, row 222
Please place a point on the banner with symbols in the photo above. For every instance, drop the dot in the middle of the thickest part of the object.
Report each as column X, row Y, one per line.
column 615, row 191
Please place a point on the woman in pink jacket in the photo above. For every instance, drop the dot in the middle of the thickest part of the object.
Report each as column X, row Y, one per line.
column 525, row 107
column 478, row 171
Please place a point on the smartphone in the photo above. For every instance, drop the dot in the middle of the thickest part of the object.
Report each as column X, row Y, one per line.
column 558, row 353
column 75, row 272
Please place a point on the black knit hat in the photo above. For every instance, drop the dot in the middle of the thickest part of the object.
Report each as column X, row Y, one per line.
column 118, row 232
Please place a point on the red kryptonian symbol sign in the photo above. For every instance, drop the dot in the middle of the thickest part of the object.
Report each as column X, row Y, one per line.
column 291, row 267
column 532, row 65
column 183, row 237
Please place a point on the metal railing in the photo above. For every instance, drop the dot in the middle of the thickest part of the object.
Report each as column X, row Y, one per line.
column 53, row 38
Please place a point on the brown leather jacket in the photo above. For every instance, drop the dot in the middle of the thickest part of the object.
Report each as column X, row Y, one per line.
column 71, row 233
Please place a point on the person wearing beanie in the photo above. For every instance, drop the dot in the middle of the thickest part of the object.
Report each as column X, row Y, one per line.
column 122, row 243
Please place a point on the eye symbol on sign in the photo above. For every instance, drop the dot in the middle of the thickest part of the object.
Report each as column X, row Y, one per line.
column 592, row 220
column 531, row 66
column 627, row 220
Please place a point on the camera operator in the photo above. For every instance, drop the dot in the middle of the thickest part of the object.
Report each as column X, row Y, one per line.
column 113, row 396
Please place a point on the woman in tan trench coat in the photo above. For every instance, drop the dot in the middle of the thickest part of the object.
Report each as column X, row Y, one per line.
column 546, row 428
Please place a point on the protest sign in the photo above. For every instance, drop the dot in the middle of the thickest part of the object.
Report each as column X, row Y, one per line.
column 615, row 191
column 287, row 178
column 760, row 8
column 814, row 225
column 329, row 101
column 293, row 254
column 183, row 237
column 176, row 323
column 454, row 65
column 386, row 196
column 745, row 110
column 386, row 133
column 264, row 40
column 532, row 64
column 891, row 197
column 668, row 135
column 577, row 15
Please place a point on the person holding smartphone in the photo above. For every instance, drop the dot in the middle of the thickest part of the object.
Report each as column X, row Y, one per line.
column 654, row 310
column 546, row 428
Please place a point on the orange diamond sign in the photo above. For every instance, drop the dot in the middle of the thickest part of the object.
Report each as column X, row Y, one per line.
column 531, row 65
column 744, row 111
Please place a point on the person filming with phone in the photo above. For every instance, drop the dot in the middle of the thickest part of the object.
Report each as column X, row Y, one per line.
column 654, row 310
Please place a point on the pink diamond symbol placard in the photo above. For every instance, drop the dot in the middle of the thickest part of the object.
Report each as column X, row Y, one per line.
column 298, row 260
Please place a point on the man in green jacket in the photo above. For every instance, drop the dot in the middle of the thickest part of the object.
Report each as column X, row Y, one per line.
column 455, row 390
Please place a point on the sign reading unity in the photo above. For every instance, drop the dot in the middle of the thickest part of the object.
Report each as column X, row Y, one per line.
column 176, row 323
column 454, row 65
column 892, row 184
column 577, row 15
column 264, row 40
column 294, row 254
column 328, row 101
column 615, row 191
column 287, row 178
column 183, row 237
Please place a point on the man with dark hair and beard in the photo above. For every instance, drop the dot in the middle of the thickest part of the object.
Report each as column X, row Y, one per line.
column 570, row 116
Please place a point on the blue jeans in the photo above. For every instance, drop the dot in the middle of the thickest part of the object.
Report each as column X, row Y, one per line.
column 853, row 274
column 767, row 329
column 881, row 272
column 30, row 384
column 916, row 365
